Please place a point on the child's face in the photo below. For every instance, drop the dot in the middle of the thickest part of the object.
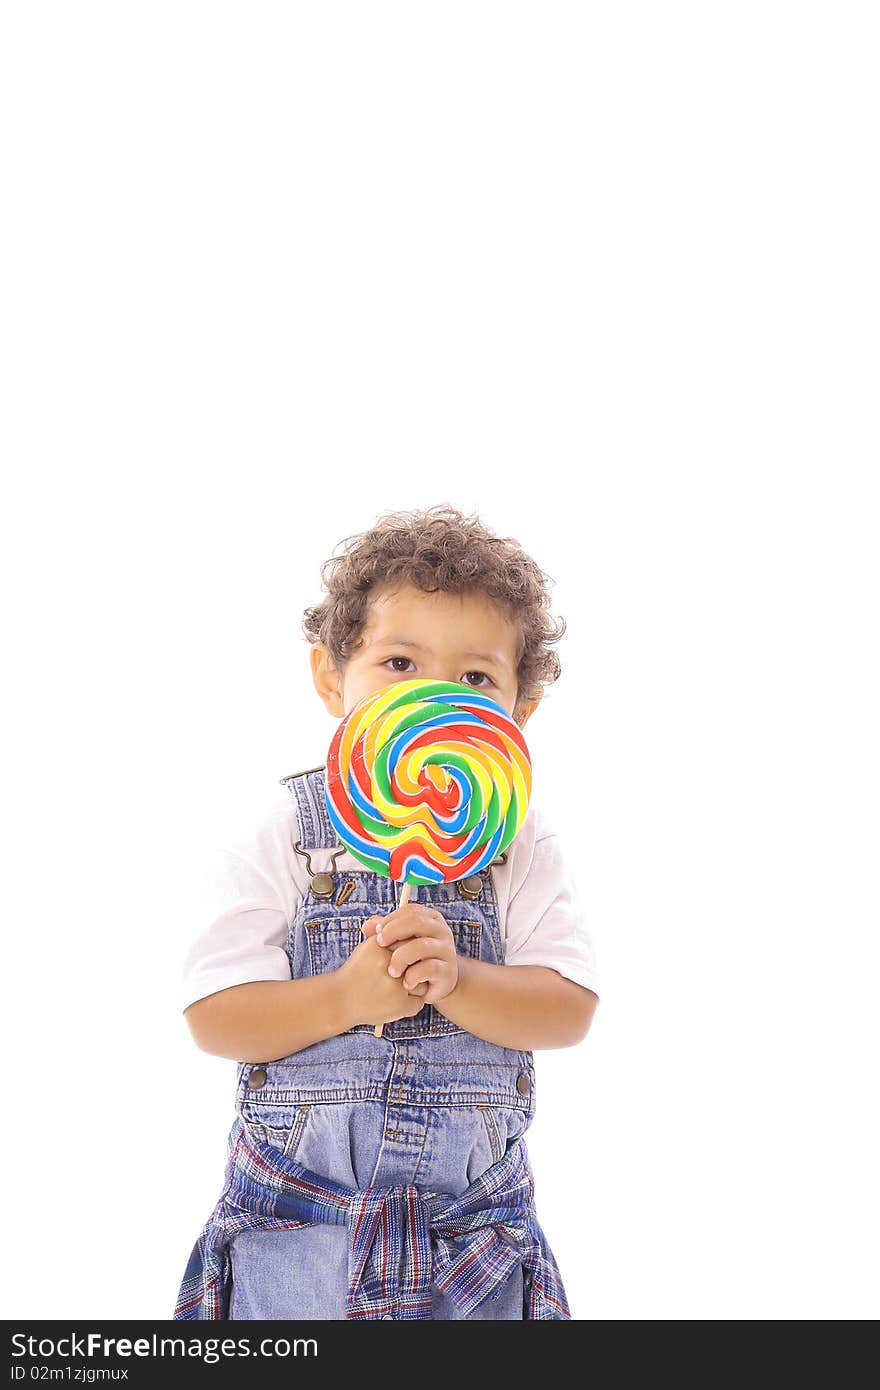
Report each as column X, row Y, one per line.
column 412, row 635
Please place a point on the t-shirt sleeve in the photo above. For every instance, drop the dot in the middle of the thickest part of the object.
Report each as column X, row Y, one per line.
column 246, row 920
column 546, row 923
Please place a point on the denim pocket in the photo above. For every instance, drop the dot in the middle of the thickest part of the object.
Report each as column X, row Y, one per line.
column 278, row 1125
column 504, row 1125
column 331, row 940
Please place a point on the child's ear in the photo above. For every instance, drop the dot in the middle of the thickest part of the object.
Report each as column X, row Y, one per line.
column 327, row 680
column 526, row 712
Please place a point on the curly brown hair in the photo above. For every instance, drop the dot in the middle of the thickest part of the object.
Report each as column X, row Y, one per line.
column 433, row 550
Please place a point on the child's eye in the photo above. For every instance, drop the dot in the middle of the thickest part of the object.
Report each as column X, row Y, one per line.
column 407, row 662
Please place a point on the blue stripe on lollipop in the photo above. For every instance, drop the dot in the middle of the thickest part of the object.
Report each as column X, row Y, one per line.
column 489, row 850
column 417, row 869
column 360, row 801
column 471, row 697
column 352, row 840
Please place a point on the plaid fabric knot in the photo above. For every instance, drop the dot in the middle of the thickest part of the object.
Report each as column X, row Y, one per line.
column 402, row 1240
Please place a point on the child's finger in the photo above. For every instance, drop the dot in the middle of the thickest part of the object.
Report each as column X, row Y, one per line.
column 419, row 948
column 405, row 928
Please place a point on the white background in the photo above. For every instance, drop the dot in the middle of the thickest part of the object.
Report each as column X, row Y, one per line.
column 606, row 274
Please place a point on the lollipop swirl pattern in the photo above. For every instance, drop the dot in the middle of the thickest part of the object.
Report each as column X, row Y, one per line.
column 427, row 781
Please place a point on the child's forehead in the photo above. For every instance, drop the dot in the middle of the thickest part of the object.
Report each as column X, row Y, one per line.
column 386, row 604
column 409, row 615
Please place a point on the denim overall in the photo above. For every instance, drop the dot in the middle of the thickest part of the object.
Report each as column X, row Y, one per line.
column 426, row 1103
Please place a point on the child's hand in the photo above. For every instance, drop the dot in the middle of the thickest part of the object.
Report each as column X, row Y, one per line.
column 422, row 949
column 372, row 995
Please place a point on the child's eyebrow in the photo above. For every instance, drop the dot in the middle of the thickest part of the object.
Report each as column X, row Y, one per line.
column 417, row 646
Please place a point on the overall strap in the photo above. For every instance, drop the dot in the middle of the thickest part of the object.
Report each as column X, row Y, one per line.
column 316, row 829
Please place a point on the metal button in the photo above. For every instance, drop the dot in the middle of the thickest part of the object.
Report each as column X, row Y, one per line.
column 523, row 1084
column 322, row 885
column 257, row 1079
column 471, row 887
column 387, row 1317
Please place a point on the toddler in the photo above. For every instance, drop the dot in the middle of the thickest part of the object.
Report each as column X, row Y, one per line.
column 388, row 1177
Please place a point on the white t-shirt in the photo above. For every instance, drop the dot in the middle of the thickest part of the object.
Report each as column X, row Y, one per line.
column 256, row 885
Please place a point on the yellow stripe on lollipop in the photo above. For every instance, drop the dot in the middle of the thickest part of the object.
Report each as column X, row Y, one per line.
column 356, row 728
column 399, row 815
column 406, row 773
column 516, row 774
column 416, row 836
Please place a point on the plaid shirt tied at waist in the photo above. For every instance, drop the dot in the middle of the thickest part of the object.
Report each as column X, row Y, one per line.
column 401, row 1239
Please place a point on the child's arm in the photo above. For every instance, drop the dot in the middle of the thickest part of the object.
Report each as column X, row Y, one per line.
column 522, row 1006
column 268, row 1019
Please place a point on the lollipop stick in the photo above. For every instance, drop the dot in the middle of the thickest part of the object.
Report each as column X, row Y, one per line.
column 404, row 899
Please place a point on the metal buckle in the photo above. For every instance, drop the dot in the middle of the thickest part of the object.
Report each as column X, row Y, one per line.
column 322, row 884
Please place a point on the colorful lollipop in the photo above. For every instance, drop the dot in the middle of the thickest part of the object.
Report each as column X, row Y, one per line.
column 427, row 782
